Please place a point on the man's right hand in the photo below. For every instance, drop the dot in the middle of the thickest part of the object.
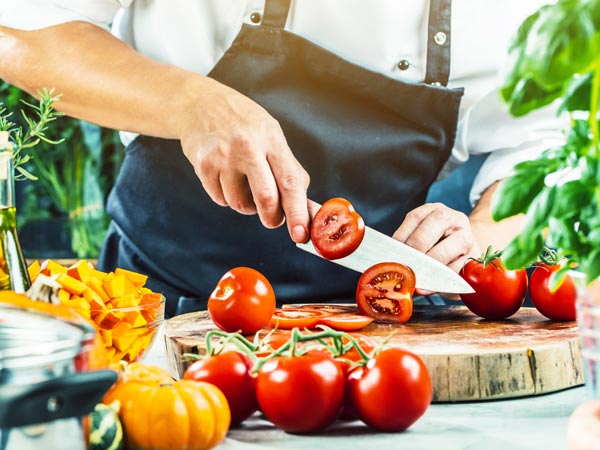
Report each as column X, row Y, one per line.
column 240, row 155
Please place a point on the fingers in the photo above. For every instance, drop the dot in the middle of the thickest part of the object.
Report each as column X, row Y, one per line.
column 440, row 232
column 292, row 181
column 265, row 195
column 237, row 192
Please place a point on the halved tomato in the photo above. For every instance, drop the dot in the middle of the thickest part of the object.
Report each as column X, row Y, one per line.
column 288, row 318
column 346, row 322
column 336, row 229
column 385, row 291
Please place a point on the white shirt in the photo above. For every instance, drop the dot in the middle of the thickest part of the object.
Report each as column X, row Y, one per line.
column 376, row 34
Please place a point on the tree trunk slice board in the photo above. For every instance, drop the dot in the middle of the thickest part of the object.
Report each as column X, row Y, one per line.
column 468, row 358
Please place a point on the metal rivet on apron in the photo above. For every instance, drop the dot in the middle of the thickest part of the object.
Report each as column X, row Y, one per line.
column 255, row 17
column 403, row 64
column 440, row 38
column 54, row 404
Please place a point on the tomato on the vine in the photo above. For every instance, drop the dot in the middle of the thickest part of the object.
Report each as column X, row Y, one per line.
column 384, row 292
column 301, row 394
column 336, row 229
column 230, row 372
column 499, row 293
column 392, row 390
column 346, row 361
column 288, row 318
column 558, row 305
column 243, row 301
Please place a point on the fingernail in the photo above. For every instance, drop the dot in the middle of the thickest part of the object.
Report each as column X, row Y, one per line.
column 299, row 233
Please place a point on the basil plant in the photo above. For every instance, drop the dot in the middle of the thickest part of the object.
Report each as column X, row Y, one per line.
column 555, row 56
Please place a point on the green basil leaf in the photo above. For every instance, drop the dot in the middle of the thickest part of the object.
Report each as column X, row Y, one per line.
column 540, row 210
column 577, row 97
column 527, row 95
column 520, row 253
column 574, row 196
column 590, row 264
column 562, row 234
column 515, row 194
column 578, row 138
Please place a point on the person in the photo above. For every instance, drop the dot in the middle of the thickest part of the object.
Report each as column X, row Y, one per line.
column 243, row 108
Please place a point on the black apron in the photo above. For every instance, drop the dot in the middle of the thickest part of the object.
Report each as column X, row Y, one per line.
column 374, row 140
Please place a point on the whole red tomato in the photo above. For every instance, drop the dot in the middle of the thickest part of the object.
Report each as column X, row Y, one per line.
column 336, row 229
column 345, row 361
column 392, row 390
column 558, row 305
column 384, row 291
column 301, row 394
column 243, row 301
column 499, row 293
column 230, row 372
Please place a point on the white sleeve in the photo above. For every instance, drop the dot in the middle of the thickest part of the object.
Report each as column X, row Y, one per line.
column 35, row 14
column 489, row 128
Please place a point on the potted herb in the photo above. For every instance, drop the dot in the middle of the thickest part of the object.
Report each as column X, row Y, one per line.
column 555, row 56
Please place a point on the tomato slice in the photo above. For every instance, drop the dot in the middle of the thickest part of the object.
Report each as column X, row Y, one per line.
column 346, row 322
column 385, row 291
column 336, row 229
column 331, row 309
column 288, row 318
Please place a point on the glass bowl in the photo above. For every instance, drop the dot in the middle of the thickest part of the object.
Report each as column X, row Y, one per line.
column 128, row 332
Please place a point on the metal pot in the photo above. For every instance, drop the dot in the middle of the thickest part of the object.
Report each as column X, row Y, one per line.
column 43, row 392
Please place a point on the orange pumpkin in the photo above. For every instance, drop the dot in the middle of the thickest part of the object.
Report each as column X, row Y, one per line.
column 159, row 413
column 94, row 355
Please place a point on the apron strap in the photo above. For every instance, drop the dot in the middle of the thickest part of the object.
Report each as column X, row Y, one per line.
column 276, row 13
column 438, row 42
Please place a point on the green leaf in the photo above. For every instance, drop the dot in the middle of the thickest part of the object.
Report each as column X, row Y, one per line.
column 540, row 210
column 562, row 234
column 527, row 95
column 516, row 193
column 574, row 195
column 24, row 173
column 590, row 265
column 577, row 97
column 521, row 252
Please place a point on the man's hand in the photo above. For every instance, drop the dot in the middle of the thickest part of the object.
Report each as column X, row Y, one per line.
column 240, row 155
column 440, row 232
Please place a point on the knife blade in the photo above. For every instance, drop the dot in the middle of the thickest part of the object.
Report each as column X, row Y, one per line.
column 377, row 247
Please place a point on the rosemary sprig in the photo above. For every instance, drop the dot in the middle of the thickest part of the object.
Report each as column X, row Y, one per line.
column 35, row 131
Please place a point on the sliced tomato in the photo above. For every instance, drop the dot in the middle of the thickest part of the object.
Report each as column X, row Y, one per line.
column 329, row 308
column 288, row 318
column 346, row 322
column 385, row 291
column 336, row 229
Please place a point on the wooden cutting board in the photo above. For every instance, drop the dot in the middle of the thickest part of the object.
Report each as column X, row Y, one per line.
column 468, row 358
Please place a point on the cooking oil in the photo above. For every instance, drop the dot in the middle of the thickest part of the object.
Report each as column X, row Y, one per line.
column 13, row 270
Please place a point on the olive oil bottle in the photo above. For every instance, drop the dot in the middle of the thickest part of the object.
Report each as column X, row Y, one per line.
column 13, row 269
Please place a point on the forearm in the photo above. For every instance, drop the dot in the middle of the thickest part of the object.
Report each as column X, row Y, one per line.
column 486, row 230
column 101, row 79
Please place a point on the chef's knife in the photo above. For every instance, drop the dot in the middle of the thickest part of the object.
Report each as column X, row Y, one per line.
column 377, row 247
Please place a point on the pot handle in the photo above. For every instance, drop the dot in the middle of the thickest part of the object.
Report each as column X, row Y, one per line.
column 72, row 395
